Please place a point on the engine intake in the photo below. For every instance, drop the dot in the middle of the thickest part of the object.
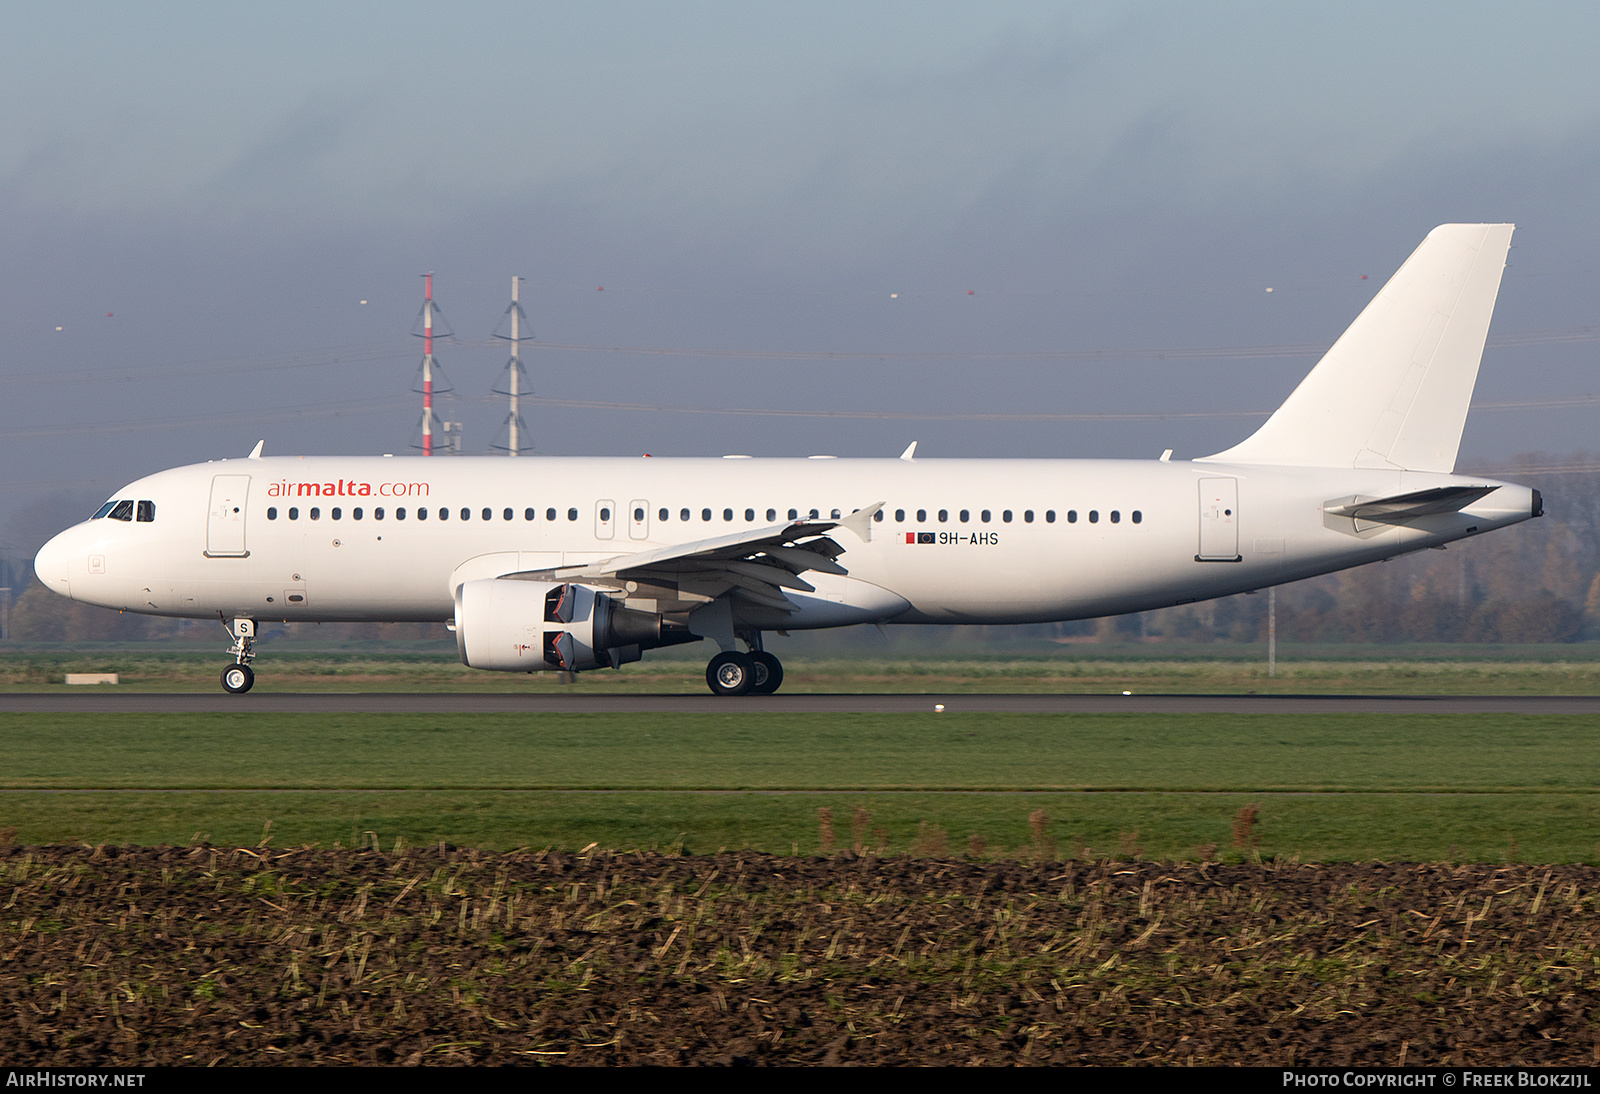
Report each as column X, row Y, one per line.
column 535, row 626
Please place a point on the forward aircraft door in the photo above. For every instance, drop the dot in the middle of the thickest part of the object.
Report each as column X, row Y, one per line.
column 225, row 520
column 1219, row 520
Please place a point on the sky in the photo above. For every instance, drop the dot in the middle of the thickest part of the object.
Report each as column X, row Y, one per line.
column 1007, row 229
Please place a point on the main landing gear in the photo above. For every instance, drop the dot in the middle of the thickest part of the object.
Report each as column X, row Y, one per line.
column 753, row 673
column 238, row 678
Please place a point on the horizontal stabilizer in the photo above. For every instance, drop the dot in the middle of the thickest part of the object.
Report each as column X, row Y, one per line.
column 1402, row 507
column 1393, row 391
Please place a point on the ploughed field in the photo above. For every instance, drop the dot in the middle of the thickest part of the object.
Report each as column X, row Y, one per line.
column 201, row 955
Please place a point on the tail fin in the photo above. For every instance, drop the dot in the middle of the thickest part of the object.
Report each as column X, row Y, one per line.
column 1394, row 389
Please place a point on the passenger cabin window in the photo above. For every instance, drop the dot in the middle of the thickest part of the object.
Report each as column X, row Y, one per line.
column 705, row 514
column 944, row 515
column 272, row 513
column 727, row 514
column 1094, row 516
column 750, row 515
column 1049, row 516
column 605, row 513
column 355, row 514
column 878, row 516
column 466, row 514
column 444, row 513
column 1072, row 516
column 294, row 514
column 506, row 515
column 794, row 514
column 337, row 513
column 1137, row 516
column 663, row 514
column 772, row 515
column 400, row 513
column 984, row 516
column 1116, row 517
column 549, row 514
column 147, row 511
column 377, row 514
column 488, row 514
column 316, row 514
column 900, row 516
column 1027, row 516
column 529, row 514
column 1006, row 516
column 638, row 515
column 572, row 514
column 966, row 515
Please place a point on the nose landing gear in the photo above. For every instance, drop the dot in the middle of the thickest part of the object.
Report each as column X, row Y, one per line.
column 238, row 678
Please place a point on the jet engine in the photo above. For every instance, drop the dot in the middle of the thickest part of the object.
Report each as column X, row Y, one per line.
column 541, row 626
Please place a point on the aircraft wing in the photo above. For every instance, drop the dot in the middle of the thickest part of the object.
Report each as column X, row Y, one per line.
column 1398, row 508
column 755, row 565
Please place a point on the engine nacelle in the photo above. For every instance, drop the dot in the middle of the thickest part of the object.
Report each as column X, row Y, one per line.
column 541, row 626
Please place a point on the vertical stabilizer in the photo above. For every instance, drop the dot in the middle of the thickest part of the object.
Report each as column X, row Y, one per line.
column 1394, row 389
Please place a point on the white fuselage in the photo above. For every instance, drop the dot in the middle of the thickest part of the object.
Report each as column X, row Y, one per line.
column 1013, row 541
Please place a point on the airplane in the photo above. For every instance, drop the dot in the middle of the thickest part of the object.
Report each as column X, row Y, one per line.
column 569, row 564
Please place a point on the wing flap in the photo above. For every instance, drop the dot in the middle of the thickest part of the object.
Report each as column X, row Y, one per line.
column 755, row 565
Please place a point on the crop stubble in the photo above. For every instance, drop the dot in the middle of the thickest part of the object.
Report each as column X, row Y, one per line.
column 200, row 955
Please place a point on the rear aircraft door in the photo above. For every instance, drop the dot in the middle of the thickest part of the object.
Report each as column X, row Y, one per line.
column 638, row 519
column 225, row 519
column 1219, row 520
column 605, row 519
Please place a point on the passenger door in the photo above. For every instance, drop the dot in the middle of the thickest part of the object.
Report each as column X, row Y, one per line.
column 1219, row 520
column 225, row 520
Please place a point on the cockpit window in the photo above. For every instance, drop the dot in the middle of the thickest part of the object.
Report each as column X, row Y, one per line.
column 147, row 511
column 104, row 509
column 123, row 510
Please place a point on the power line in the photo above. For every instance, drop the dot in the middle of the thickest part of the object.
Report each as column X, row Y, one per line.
column 376, row 352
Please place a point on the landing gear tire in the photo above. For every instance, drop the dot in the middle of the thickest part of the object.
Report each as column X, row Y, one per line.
column 730, row 673
column 768, row 673
column 238, row 679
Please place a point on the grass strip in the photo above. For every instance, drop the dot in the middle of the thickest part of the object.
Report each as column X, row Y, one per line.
column 1498, row 828
column 1486, row 753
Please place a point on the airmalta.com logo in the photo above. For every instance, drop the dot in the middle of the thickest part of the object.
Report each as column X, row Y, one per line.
column 346, row 488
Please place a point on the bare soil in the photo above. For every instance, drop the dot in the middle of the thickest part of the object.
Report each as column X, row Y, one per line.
column 201, row 955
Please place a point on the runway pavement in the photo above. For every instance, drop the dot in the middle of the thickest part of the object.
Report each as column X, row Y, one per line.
column 111, row 702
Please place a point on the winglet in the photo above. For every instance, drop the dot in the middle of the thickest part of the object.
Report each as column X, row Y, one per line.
column 860, row 522
column 255, row 453
column 910, row 453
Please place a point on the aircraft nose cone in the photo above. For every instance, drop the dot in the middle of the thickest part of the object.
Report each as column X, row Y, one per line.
column 52, row 563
